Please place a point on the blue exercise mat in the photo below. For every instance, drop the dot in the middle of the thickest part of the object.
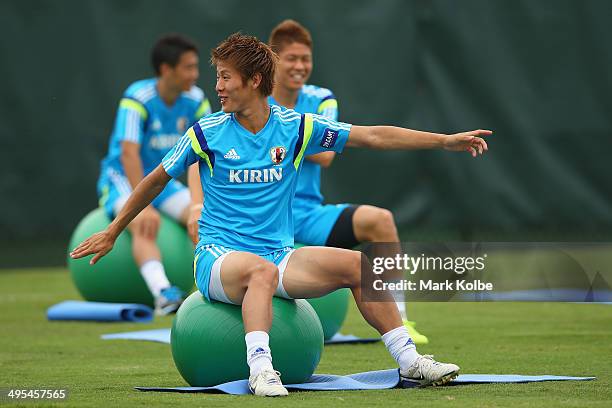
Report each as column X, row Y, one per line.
column 100, row 312
column 340, row 338
column 371, row 380
column 156, row 335
column 163, row 336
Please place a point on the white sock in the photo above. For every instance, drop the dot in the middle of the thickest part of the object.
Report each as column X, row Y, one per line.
column 154, row 275
column 398, row 296
column 259, row 356
column 401, row 347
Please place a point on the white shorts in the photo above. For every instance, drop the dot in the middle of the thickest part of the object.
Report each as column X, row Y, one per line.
column 209, row 259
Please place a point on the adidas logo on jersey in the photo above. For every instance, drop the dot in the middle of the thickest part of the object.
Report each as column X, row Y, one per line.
column 256, row 176
column 232, row 154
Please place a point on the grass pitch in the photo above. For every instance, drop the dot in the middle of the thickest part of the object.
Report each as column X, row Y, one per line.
column 496, row 338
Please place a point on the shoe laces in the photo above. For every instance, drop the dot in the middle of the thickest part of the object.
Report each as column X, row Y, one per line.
column 425, row 361
column 271, row 377
column 428, row 357
column 431, row 358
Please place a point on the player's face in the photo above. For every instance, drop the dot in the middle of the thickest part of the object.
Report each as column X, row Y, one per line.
column 186, row 72
column 234, row 93
column 294, row 67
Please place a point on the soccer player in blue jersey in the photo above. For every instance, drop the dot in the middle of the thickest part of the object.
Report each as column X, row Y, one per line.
column 249, row 155
column 153, row 114
column 315, row 223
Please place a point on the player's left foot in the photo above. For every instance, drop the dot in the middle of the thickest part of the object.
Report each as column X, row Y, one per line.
column 427, row 371
column 267, row 384
column 417, row 337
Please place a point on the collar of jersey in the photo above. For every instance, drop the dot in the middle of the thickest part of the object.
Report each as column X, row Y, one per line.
column 299, row 99
column 247, row 133
column 161, row 101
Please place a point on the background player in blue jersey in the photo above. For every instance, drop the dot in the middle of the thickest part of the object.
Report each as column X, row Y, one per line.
column 249, row 156
column 153, row 114
column 337, row 225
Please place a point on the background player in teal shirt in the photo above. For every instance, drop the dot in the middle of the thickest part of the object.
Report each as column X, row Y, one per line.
column 257, row 188
column 153, row 114
column 315, row 223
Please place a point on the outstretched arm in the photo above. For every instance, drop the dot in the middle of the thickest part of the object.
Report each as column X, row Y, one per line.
column 102, row 242
column 396, row 138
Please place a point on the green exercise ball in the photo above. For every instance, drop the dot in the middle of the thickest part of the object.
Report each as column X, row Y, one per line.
column 331, row 309
column 208, row 344
column 115, row 277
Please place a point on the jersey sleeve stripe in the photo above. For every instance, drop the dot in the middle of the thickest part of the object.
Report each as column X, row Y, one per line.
column 199, row 145
column 328, row 97
column 327, row 104
column 212, row 121
column 132, row 124
column 306, row 131
column 327, row 122
column 133, row 104
column 331, row 113
column 183, row 144
column 300, row 141
column 203, row 110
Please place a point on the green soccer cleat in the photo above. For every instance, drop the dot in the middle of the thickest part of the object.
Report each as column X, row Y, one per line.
column 417, row 337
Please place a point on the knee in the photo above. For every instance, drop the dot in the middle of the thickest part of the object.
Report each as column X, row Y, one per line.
column 377, row 225
column 352, row 271
column 263, row 274
column 140, row 233
column 385, row 221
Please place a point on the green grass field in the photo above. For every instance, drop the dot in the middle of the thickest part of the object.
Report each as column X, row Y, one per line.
column 499, row 338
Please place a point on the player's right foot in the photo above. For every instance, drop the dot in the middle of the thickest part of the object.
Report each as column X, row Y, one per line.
column 427, row 371
column 267, row 384
column 168, row 301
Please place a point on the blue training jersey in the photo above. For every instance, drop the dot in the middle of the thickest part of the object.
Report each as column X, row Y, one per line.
column 249, row 180
column 311, row 99
column 144, row 118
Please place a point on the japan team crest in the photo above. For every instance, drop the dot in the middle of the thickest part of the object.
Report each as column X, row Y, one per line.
column 181, row 124
column 277, row 154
